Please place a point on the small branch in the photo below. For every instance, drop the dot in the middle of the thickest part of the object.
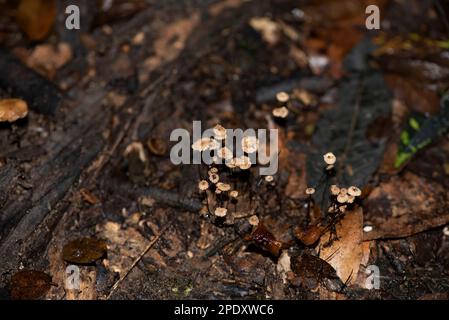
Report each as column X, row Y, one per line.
column 137, row 260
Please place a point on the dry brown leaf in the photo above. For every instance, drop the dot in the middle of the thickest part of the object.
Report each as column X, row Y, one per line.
column 404, row 206
column 36, row 17
column 346, row 253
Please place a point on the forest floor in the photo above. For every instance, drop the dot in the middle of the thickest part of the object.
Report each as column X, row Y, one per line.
column 92, row 158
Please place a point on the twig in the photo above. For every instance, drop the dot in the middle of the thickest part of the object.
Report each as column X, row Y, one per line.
column 137, row 260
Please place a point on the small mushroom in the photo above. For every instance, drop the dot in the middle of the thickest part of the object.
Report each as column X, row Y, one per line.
column 203, row 185
column 221, row 212
column 219, row 132
column 342, row 198
column 310, row 191
column 250, row 144
column 243, row 162
column 223, row 186
column 225, row 153
column 202, row 144
column 12, row 110
column 354, row 191
column 281, row 112
column 214, row 178
column 253, row 220
column 269, row 178
column 213, row 170
column 330, row 158
column 335, row 190
column 234, row 194
column 282, row 96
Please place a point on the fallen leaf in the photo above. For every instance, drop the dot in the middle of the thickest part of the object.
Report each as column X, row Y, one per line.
column 84, row 250
column 346, row 253
column 29, row 285
column 404, row 206
column 36, row 17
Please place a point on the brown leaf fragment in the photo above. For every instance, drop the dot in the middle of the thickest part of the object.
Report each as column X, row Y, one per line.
column 345, row 254
column 404, row 206
column 29, row 285
column 266, row 240
column 84, row 250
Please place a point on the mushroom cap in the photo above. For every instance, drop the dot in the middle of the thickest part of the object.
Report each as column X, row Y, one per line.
column 250, row 144
column 269, row 178
column 231, row 163
column 12, row 110
column 243, row 162
column 203, row 185
column 253, row 220
column 221, row 212
column 234, row 193
column 223, row 186
column 282, row 96
column 335, row 190
column 213, row 170
column 342, row 198
column 281, row 112
column 330, row 158
column 204, row 144
column 354, row 191
column 225, row 153
column 219, row 132
column 214, row 178
column 310, row 191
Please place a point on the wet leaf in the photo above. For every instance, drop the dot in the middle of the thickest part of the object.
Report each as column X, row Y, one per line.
column 345, row 254
column 311, row 271
column 36, row 17
column 404, row 206
column 29, row 285
column 263, row 238
column 84, row 250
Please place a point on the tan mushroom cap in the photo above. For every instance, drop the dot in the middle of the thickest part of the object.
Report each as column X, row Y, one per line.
column 342, row 198
column 243, row 162
column 354, row 191
column 330, row 158
column 253, row 220
column 12, row 110
column 250, row 144
column 223, row 186
column 335, row 190
column 225, row 153
column 221, row 212
column 219, row 132
column 203, row 185
column 203, row 144
column 214, row 178
column 234, row 193
column 281, row 112
column 269, row 178
column 310, row 191
column 282, row 97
